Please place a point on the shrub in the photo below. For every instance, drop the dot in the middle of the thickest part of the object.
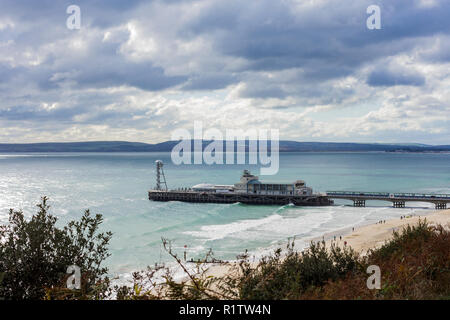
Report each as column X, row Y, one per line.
column 158, row 282
column 278, row 277
column 414, row 264
column 35, row 254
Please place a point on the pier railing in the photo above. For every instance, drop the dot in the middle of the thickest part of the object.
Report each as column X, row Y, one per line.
column 430, row 196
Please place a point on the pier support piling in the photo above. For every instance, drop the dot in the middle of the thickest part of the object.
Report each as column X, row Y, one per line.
column 440, row 205
column 399, row 204
column 359, row 203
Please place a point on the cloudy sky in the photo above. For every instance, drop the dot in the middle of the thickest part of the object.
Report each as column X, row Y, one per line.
column 137, row 70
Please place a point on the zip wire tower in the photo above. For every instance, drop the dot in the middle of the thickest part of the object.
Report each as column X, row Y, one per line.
column 160, row 178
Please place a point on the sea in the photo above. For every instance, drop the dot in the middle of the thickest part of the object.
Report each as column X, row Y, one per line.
column 116, row 185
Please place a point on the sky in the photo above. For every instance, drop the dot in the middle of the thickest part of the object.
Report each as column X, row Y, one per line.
column 138, row 70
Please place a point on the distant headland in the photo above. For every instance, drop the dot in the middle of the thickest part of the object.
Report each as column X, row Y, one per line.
column 284, row 146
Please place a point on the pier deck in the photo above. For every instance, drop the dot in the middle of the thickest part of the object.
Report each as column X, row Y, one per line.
column 398, row 199
column 359, row 198
column 210, row 197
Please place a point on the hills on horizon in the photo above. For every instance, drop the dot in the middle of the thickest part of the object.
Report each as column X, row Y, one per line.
column 284, row 146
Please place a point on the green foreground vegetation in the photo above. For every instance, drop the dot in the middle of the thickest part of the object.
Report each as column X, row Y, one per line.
column 35, row 255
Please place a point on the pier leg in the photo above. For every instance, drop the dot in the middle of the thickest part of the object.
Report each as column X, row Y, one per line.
column 359, row 203
column 399, row 204
column 440, row 205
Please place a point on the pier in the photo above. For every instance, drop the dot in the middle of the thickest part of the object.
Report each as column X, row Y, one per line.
column 250, row 190
column 246, row 198
column 398, row 199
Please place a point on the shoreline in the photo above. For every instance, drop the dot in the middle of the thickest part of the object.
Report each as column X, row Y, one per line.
column 375, row 235
column 363, row 237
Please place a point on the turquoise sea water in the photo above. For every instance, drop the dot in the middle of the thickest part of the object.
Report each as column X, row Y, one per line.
column 116, row 185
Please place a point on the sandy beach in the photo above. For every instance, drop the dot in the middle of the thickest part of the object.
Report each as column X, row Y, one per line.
column 366, row 237
column 375, row 235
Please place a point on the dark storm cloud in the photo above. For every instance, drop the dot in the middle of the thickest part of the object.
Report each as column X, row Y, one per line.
column 263, row 92
column 209, row 82
column 388, row 78
column 140, row 75
column 6, row 73
column 36, row 113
